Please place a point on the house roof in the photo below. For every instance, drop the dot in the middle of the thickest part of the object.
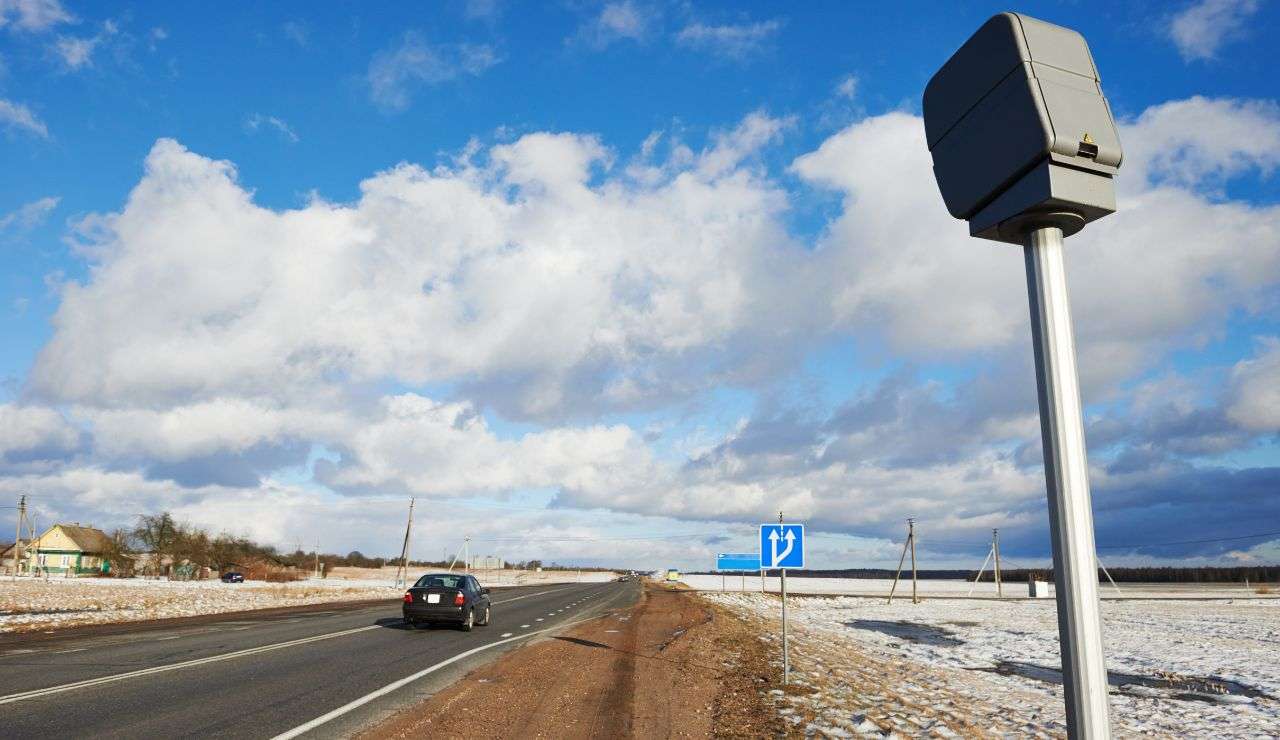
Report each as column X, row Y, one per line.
column 87, row 539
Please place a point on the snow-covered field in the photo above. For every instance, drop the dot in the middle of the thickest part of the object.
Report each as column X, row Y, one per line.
column 978, row 666
column 881, row 587
column 35, row 604
column 505, row 577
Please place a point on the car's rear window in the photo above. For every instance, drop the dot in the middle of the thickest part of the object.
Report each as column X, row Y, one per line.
column 439, row 582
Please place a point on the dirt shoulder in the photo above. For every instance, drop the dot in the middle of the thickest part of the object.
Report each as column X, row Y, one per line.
column 673, row 665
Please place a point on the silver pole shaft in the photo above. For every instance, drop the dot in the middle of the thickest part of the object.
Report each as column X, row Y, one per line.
column 786, row 655
column 1067, row 476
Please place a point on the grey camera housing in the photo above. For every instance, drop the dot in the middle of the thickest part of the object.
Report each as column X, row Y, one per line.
column 1020, row 132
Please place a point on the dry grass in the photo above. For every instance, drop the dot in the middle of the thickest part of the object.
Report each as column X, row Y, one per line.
column 1262, row 590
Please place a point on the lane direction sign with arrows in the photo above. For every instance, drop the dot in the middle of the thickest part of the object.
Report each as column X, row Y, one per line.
column 782, row 545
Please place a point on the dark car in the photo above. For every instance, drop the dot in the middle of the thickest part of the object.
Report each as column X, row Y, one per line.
column 232, row 577
column 451, row 598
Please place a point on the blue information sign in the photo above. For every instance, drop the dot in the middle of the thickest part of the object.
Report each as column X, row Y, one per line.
column 737, row 561
column 782, row 545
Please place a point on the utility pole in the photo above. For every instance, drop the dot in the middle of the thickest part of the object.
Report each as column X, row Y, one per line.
column 317, row 558
column 911, row 537
column 17, row 540
column 404, row 549
column 995, row 548
column 909, row 545
column 466, row 553
column 898, row 574
column 786, row 653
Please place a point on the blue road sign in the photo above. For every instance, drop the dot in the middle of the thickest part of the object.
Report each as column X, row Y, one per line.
column 782, row 545
column 737, row 561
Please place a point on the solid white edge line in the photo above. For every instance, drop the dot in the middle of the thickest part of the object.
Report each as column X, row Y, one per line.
column 356, row 704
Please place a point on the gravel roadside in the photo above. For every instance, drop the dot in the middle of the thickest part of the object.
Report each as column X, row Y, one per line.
column 673, row 665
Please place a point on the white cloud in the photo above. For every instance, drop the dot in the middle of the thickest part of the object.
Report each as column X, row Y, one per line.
column 847, row 88
column 257, row 121
column 16, row 116
column 911, row 273
column 1204, row 26
column 1199, row 143
column 1254, row 389
column 535, row 280
column 32, row 15
column 28, row 216
column 549, row 292
column 393, row 72
column 77, row 52
column 33, row 430
column 732, row 41
column 617, row 21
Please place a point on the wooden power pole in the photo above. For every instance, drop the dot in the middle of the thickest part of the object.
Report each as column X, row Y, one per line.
column 17, row 540
column 404, row 549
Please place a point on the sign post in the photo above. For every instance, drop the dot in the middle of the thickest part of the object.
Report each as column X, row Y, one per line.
column 1024, row 148
column 782, row 547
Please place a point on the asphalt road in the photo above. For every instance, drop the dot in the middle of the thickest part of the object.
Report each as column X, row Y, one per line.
column 313, row 673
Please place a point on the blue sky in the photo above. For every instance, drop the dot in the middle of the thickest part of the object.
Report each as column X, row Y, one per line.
column 627, row 269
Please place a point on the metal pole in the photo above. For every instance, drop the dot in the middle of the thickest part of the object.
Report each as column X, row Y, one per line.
column 898, row 574
column 995, row 548
column 1066, row 469
column 786, row 653
column 981, row 570
column 786, row 657
column 911, row 537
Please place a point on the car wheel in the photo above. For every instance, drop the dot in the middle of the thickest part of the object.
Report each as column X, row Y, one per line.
column 470, row 621
column 485, row 622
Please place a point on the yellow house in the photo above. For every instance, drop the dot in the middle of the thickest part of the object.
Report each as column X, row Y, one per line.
column 69, row 549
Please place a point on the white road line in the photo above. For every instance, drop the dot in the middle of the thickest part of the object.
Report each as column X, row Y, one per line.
column 524, row 626
column 506, row 634
column 37, row 693
column 322, row 719
column 526, row 596
column 11, row 698
column 539, row 619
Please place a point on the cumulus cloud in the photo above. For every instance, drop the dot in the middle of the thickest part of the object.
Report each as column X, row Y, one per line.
column 216, row 341
column 18, row 117
column 912, row 274
column 34, row 432
column 552, row 294
column 1203, row 27
column 1199, row 143
column 733, row 41
column 1254, row 388
column 394, row 72
column 32, row 15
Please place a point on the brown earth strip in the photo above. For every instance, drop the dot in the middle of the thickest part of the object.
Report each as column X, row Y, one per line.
column 671, row 666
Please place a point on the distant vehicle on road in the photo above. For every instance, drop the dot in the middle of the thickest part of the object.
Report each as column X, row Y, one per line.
column 232, row 577
column 450, row 598
column 673, row 575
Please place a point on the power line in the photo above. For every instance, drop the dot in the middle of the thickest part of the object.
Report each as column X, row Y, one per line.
column 1191, row 542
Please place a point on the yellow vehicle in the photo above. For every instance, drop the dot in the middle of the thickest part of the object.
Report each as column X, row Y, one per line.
column 673, row 574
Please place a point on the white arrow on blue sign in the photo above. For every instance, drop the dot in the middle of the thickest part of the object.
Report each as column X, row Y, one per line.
column 782, row 545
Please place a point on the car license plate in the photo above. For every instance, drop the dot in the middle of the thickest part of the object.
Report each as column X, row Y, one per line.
column 433, row 598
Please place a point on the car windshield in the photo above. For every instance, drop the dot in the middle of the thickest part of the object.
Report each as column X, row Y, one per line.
column 439, row 582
